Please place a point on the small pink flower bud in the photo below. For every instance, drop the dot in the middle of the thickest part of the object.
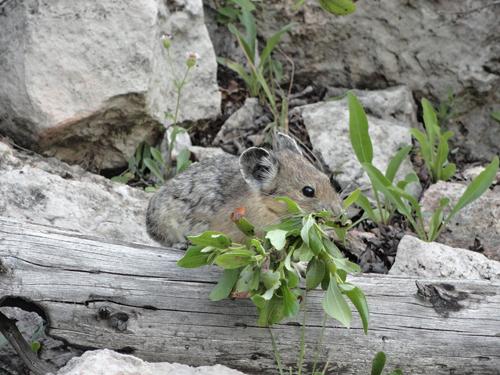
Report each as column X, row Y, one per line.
column 192, row 58
column 167, row 40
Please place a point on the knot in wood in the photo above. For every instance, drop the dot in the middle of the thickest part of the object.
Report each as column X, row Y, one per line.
column 118, row 321
column 3, row 267
column 104, row 312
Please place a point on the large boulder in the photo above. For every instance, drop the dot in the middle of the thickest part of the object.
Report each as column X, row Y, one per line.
column 390, row 116
column 432, row 259
column 434, row 47
column 47, row 191
column 108, row 362
column 477, row 226
column 88, row 81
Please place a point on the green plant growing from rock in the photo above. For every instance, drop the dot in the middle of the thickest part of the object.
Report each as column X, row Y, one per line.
column 378, row 365
column 394, row 194
column 263, row 74
column 148, row 161
column 267, row 266
column 433, row 145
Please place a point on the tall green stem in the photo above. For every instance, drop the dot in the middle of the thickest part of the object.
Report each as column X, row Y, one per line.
column 277, row 356
column 303, row 336
column 320, row 343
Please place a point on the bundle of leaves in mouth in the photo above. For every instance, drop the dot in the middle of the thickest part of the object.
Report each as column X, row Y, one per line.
column 267, row 269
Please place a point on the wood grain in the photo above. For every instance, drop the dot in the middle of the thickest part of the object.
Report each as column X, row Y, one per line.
column 130, row 297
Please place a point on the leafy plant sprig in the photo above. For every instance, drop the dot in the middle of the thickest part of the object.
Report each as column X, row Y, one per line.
column 434, row 145
column 395, row 195
column 266, row 269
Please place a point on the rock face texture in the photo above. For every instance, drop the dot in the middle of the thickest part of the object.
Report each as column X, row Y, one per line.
column 389, row 118
column 477, row 226
column 88, row 81
column 432, row 259
column 432, row 46
column 108, row 362
column 50, row 192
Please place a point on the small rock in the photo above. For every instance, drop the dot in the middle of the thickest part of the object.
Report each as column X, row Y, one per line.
column 108, row 362
column 328, row 126
column 239, row 123
column 47, row 191
column 202, row 153
column 432, row 259
column 477, row 226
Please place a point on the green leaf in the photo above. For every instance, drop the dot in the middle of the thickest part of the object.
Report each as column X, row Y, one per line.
column 442, row 153
column 290, row 302
column 157, row 156
column 365, row 204
column 396, row 161
column 338, row 7
column 335, row 305
column 331, row 248
column 430, row 121
column 396, row 372
column 495, row 115
column 248, row 279
column 358, row 299
column 358, row 130
column 35, row 346
column 291, row 205
column 277, row 237
column 346, row 265
column 237, row 68
column 477, row 187
column 307, row 223
column 243, row 41
column 248, row 21
column 245, row 226
column 123, row 178
column 351, row 199
column 193, row 257
column 270, row 311
column 271, row 280
column 315, row 240
column 437, row 219
column 315, row 273
column 234, row 258
column 271, row 43
column 225, row 285
column 448, row 171
column 154, row 168
column 425, row 147
column 292, row 278
column 245, row 4
column 292, row 225
column 183, row 161
column 378, row 363
column 211, row 238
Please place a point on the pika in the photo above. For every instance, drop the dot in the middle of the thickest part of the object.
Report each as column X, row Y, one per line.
column 204, row 196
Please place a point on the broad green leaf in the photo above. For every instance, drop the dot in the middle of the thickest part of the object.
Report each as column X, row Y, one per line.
column 123, row 178
column 193, row 257
column 290, row 302
column 292, row 278
column 358, row 130
column 157, row 156
column 378, row 363
column 303, row 253
column 270, row 278
column 425, row 146
column 430, row 121
column 211, row 238
column 495, row 115
column 351, row 199
column 183, row 161
column 291, row 205
column 396, row 161
column 153, row 167
column 234, row 258
column 315, row 273
column 477, row 187
column 245, row 226
column 277, row 237
column 335, row 305
column 448, row 171
column 225, row 285
column 331, row 248
column 248, row 21
column 347, row 265
column 245, row 4
column 358, row 299
column 315, row 241
column 270, row 311
column 258, row 246
column 338, row 7
column 248, row 279
column 307, row 223
column 237, row 68
column 442, row 153
column 272, row 42
column 326, row 281
column 365, row 204
column 292, row 225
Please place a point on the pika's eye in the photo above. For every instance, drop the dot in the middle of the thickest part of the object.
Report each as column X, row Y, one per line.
column 308, row 191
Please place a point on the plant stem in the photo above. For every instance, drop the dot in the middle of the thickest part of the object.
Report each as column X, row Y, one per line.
column 379, row 205
column 320, row 343
column 303, row 336
column 276, row 352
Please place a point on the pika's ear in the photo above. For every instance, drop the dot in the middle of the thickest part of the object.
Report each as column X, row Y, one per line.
column 258, row 167
column 285, row 142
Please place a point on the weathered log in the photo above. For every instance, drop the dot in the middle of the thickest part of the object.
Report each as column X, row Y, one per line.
column 129, row 297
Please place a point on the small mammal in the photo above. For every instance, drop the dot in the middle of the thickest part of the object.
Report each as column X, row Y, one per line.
column 204, row 196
